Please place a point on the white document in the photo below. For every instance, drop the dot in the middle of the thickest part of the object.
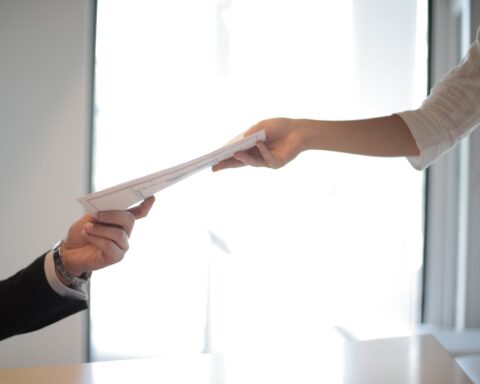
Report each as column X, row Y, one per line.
column 123, row 196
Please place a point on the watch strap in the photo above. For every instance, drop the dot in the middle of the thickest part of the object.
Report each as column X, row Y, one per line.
column 67, row 276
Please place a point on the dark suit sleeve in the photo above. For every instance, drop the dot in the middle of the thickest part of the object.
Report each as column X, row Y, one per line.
column 27, row 302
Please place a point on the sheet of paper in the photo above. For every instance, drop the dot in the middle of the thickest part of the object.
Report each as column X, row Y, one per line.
column 124, row 195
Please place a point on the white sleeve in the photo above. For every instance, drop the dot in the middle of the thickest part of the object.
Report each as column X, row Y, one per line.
column 79, row 293
column 451, row 112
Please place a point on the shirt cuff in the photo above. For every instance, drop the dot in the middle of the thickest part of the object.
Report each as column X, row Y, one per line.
column 79, row 293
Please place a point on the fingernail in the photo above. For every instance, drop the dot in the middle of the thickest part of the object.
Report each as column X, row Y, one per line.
column 88, row 227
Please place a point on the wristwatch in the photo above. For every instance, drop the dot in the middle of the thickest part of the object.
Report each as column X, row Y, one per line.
column 67, row 276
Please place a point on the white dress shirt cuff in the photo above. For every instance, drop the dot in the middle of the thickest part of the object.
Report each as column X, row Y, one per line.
column 79, row 293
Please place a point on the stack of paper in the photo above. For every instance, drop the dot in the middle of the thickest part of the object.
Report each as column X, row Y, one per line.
column 123, row 196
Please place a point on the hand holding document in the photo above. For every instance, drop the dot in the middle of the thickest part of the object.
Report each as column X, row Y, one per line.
column 124, row 195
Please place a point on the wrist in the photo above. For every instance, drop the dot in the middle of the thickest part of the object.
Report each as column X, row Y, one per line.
column 309, row 134
column 66, row 257
column 64, row 274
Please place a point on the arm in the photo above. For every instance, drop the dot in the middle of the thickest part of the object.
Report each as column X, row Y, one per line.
column 286, row 138
column 450, row 113
column 29, row 300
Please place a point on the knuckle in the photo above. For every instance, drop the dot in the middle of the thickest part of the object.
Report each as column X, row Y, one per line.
column 118, row 237
column 110, row 248
column 124, row 241
column 130, row 220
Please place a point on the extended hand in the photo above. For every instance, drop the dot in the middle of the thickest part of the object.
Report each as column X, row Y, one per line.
column 95, row 242
column 283, row 143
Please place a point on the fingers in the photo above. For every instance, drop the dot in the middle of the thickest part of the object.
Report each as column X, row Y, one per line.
column 110, row 250
column 248, row 159
column 254, row 128
column 228, row 163
column 117, row 226
column 261, row 156
column 107, row 233
column 94, row 242
column 142, row 210
column 125, row 219
column 119, row 219
column 269, row 159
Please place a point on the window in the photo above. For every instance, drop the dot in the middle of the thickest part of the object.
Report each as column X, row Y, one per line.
column 450, row 297
column 255, row 258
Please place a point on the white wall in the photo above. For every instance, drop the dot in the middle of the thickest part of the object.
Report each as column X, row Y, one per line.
column 45, row 93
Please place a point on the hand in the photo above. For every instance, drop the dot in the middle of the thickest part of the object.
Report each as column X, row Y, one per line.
column 283, row 143
column 96, row 242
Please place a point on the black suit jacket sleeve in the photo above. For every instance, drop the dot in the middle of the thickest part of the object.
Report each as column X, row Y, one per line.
column 27, row 302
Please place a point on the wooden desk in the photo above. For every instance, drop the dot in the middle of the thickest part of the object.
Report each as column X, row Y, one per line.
column 415, row 360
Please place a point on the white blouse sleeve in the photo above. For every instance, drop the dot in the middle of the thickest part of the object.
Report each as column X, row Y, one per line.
column 451, row 112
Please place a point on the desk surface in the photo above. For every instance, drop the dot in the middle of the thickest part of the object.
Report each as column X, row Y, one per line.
column 414, row 360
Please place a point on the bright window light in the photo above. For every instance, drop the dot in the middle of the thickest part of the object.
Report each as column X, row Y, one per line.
column 248, row 259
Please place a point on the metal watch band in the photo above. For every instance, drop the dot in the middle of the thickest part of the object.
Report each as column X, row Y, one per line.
column 60, row 267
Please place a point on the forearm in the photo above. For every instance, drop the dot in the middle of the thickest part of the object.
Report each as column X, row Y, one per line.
column 286, row 138
column 382, row 136
column 27, row 302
